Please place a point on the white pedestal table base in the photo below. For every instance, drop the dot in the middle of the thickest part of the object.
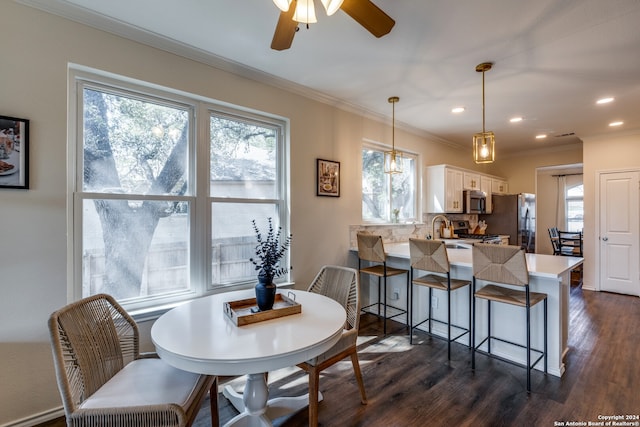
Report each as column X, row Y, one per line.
column 254, row 406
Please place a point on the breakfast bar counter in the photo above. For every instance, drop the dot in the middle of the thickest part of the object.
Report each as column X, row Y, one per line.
column 547, row 273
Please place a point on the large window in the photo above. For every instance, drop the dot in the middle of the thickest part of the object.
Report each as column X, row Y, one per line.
column 384, row 195
column 164, row 191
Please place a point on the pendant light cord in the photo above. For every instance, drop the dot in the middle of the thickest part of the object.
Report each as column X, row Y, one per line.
column 483, row 131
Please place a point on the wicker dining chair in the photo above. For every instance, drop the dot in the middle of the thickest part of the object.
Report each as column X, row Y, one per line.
column 104, row 380
column 430, row 268
column 506, row 268
column 340, row 284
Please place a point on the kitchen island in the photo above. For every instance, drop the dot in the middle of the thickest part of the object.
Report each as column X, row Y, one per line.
column 547, row 273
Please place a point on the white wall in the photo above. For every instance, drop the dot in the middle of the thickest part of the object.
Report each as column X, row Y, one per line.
column 602, row 153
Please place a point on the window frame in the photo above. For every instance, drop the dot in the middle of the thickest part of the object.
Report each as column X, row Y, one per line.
column 568, row 199
column 200, row 226
column 381, row 148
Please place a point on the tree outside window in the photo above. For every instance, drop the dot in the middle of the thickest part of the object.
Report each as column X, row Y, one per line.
column 383, row 194
column 138, row 205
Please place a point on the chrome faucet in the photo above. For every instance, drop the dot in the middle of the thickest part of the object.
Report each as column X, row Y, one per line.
column 433, row 224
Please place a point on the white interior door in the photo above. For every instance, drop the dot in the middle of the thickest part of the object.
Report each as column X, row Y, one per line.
column 620, row 232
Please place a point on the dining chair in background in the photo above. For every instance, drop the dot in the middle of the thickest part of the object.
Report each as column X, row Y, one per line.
column 371, row 250
column 567, row 243
column 430, row 257
column 104, row 380
column 342, row 285
column 555, row 240
column 505, row 267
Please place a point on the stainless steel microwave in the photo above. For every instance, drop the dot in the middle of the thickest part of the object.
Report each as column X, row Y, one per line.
column 475, row 202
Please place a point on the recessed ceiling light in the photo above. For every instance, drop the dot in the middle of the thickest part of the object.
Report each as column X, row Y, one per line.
column 604, row 100
column 515, row 119
column 457, row 110
column 541, row 136
column 616, row 124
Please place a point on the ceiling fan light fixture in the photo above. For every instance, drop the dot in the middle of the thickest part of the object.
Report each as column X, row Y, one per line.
column 393, row 162
column 305, row 12
column 484, row 142
column 331, row 6
column 283, row 5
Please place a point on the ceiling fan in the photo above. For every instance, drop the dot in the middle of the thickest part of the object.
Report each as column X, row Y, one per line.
column 367, row 14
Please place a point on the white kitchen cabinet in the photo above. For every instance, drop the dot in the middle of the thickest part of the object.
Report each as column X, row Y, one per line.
column 485, row 187
column 499, row 186
column 471, row 181
column 443, row 189
column 445, row 184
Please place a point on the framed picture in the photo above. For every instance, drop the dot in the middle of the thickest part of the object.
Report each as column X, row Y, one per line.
column 328, row 178
column 14, row 152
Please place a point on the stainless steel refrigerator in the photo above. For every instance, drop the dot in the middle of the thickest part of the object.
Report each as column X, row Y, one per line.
column 513, row 215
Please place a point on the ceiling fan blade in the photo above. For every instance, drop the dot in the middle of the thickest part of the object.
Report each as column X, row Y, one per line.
column 369, row 16
column 285, row 29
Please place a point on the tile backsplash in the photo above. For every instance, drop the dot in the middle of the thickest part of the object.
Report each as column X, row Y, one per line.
column 395, row 233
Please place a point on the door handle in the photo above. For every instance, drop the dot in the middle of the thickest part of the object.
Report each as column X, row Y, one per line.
column 604, row 239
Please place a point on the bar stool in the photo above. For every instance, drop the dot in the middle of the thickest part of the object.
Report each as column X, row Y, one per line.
column 431, row 257
column 371, row 249
column 506, row 265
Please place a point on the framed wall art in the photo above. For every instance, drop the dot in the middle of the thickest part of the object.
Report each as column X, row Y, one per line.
column 328, row 178
column 14, row 152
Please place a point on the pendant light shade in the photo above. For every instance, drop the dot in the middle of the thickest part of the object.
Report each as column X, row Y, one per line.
column 393, row 159
column 283, row 5
column 484, row 142
column 331, row 6
column 305, row 12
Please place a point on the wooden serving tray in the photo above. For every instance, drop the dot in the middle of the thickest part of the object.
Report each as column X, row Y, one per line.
column 242, row 313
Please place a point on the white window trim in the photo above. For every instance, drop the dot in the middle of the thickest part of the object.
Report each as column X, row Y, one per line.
column 200, row 274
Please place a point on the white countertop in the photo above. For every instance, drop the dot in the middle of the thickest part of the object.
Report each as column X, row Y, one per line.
column 539, row 265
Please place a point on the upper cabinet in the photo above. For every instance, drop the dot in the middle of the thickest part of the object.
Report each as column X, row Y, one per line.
column 443, row 189
column 471, row 181
column 444, row 186
column 499, row 186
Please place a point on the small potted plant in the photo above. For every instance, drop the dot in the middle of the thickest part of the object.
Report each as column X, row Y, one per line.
column 269, row 251
column 396, row 213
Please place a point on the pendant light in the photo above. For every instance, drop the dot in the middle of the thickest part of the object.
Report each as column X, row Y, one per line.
column 484, row 142
column 393, row 159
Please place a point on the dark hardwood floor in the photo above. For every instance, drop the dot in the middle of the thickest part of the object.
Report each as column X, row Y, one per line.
column 416, row 385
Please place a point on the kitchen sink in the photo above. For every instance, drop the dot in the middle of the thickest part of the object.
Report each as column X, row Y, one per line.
column 456, row 246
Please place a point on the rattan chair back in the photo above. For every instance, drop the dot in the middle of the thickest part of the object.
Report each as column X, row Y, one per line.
column 429, row 255
column 500, row 263
column 371, row 248
column 341, row 285
column 93, row 339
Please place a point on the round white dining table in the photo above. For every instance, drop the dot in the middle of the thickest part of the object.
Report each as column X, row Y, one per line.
column 199, row 337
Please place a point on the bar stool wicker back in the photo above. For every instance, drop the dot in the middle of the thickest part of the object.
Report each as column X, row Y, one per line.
column 371, row 249
column 506, row 266
column 431, row 257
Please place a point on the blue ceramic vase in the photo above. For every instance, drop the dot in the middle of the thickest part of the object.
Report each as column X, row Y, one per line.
column 265, row 293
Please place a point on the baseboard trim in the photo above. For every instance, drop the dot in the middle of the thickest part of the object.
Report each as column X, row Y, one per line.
column 36, row 419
